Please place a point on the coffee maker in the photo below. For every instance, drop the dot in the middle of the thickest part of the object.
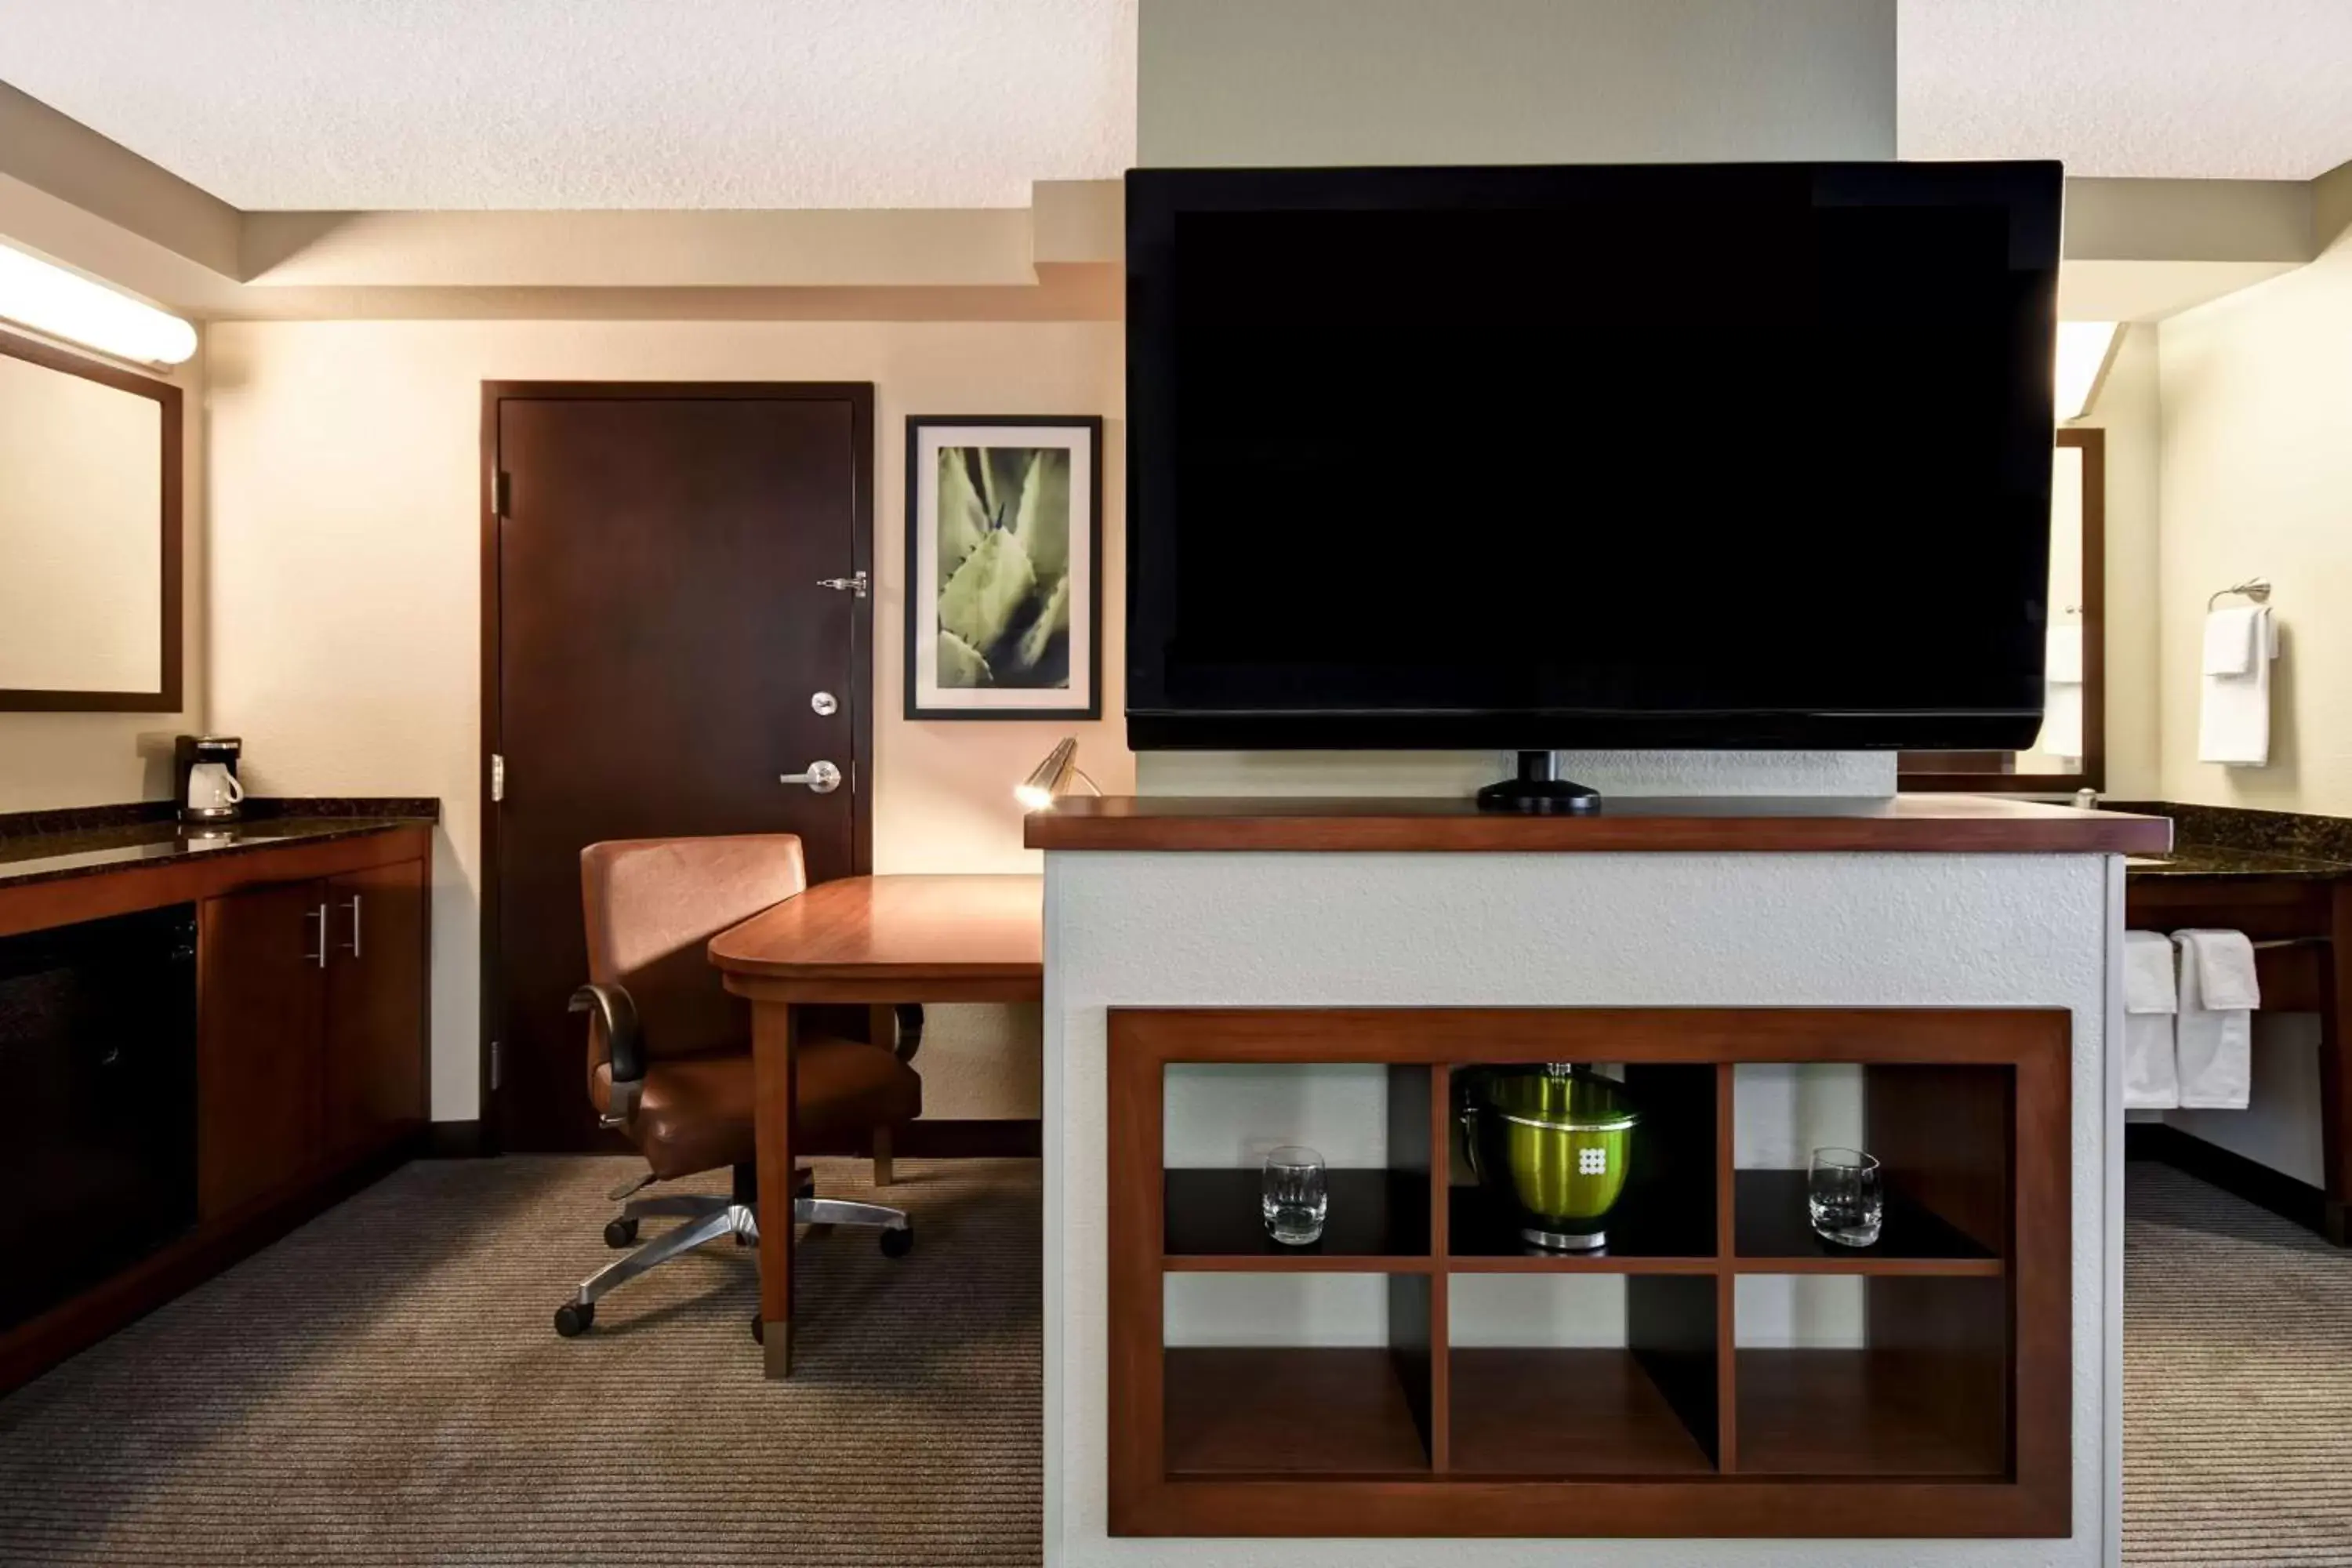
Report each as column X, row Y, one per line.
column 204, row 777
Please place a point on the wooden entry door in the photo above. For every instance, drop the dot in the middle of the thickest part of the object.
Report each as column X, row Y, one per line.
column 660, row 647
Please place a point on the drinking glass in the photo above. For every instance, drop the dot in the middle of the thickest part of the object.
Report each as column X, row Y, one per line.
column 1845, row 1196
column 1295, row 1198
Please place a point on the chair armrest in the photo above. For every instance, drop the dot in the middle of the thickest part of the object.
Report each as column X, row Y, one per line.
column 625, row 1043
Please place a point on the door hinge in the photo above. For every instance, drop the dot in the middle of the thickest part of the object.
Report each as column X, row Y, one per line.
column 498, row 1064
column 498, row 778
column 501, row 492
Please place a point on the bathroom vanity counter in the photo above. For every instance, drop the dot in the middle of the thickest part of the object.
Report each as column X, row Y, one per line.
column 1925, row 977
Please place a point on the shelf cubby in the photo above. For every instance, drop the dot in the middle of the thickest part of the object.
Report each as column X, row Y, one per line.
column 1584, row 1378
column 1248, row 1411
column 1378, row 1218
column 1923, row 1394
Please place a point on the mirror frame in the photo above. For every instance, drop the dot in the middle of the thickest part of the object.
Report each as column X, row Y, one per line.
column 1940, row 771
column 165, row 698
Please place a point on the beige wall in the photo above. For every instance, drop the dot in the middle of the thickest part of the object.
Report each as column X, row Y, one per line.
column 346, row 589
column 50, row 760
column 2129, row 410
column 2257, row 480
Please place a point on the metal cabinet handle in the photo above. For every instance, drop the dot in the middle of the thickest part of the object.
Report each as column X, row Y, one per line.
column 318, row 915
column 354, row 906
column 821, row 778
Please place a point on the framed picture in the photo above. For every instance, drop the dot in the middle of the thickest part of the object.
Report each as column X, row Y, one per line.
column 1003, row 587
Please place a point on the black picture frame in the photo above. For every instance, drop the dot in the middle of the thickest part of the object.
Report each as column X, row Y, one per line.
column 921, row 608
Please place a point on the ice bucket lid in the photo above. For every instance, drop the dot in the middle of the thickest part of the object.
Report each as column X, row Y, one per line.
column 1556, row 1097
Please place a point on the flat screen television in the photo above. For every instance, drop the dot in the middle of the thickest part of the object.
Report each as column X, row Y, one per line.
column 1725, row 456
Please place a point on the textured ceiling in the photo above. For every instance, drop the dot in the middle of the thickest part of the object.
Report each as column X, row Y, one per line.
column 2184, row 88
column 593, row 103
column 860, row 103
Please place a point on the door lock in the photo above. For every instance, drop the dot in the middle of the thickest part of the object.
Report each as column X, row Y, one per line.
column 821, row 778
column 824, row 704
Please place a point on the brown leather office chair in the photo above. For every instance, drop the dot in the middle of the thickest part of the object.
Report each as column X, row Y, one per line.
column 669, row 1051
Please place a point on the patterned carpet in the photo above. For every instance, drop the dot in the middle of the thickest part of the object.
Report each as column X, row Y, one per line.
column 2237, row 1382
column 383, row 1387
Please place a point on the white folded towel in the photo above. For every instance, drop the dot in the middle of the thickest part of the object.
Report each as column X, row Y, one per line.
column 2061, row 722
column 2151, row 1079
column 2234, row 724
column 2214, row 1044
column 2229, row 640
column 2062, row 693
column 2063, row 658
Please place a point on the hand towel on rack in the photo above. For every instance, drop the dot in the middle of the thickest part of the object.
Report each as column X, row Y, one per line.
column 2062, row 693
column 2234, row 719
column 2215, row 1030
column 2151, row 997
column 2229, row 640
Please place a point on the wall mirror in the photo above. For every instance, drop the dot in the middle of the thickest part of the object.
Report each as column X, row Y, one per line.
column 89, row 535
column 2070, row 754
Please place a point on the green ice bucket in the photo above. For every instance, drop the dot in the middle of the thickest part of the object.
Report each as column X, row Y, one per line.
column 1551, row 1144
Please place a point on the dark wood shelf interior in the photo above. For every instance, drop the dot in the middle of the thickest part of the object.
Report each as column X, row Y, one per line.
column 1868, row 1413
column 1289, row 1411
column 1565, row 1413
column 1372, row 1214
column 1769, row 1220
column 1479, row 1226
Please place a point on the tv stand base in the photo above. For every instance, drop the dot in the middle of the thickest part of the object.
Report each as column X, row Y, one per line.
column 1538, row 791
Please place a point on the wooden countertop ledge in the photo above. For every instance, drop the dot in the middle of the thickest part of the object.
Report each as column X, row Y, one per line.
column 1916, row 824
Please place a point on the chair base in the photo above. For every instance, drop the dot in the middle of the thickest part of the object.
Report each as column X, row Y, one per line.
column 703, row 1220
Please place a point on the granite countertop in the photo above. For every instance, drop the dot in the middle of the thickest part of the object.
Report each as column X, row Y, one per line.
column 50, row 846
column 2229, row 841
column 2224, row 860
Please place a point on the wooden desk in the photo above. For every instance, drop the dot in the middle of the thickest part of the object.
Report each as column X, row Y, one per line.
column 863, row 939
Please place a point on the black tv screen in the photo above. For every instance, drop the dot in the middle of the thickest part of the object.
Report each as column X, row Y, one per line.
column 1689, row 455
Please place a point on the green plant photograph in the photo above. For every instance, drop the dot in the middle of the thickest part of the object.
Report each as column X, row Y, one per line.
column 1004, row 567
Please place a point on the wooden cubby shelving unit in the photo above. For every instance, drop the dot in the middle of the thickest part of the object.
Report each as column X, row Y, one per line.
column 1951, row 1420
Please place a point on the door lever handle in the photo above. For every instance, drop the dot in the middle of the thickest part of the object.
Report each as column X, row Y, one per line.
column 855, row 583
column 821, row 778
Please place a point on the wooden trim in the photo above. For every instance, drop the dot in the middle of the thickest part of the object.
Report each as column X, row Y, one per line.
column 454, row 1140
column 2022, row 1118
column 32, row 1348
column 948, row 1138
column 1091, row 423
column 859, row 396
column 1906, row 824
column 1932, row 771
column 166, row 697
column 65, row 901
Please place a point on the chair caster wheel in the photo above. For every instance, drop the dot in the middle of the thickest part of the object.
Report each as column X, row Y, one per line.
column 758, row 1331
column 571, row 1318
column 898, row 1243
column 620, row 1234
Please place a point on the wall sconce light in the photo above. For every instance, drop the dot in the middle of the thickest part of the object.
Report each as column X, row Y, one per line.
column 2085, row 350
column 1051, row 777
column 61, row 304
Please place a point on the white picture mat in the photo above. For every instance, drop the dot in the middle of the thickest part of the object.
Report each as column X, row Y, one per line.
column 923, row 569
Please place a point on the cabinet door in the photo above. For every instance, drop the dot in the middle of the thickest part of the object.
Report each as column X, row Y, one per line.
column 261, row 992
column 375, row 1005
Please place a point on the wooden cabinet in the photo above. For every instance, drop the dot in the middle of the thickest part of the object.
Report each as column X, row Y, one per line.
column 375, row 1056
column 311, row 1028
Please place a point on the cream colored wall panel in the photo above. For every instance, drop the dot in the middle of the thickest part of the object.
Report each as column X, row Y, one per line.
column 347, row 590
